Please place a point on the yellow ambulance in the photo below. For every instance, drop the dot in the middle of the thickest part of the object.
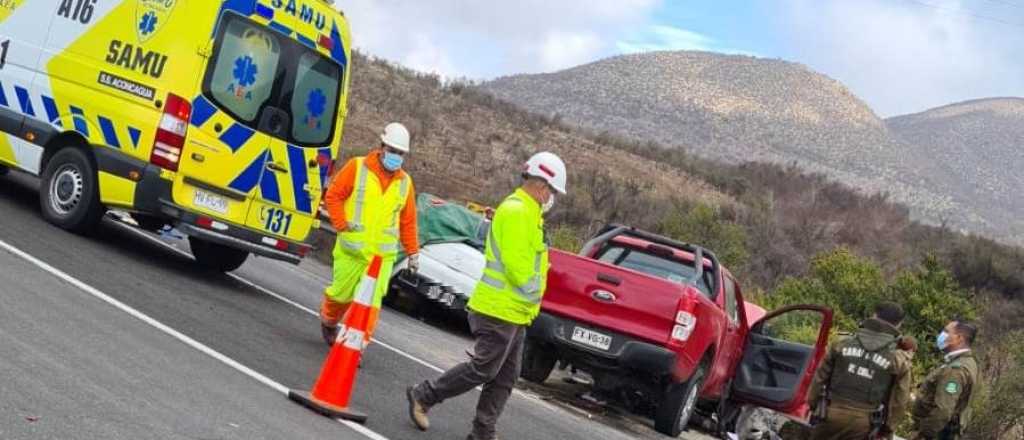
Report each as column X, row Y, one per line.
column 221, row 118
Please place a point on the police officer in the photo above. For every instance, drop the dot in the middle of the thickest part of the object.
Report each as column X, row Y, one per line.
column 862, row 374
column 506, row 299
column 942, row 408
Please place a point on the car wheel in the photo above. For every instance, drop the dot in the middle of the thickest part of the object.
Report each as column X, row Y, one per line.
column 678, row 404
column 538, row 361
column 215, row 256
column 70, row 196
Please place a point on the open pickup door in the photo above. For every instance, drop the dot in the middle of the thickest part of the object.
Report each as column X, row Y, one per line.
column 782, row 352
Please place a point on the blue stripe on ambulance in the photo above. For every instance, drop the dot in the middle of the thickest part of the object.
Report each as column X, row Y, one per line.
column 250, row 176
column 297, row 160
column 107, row 125
column 135, row 134
column 24, row 101
column 268, row 184
column 202, row 111
column 236, row 136
column 109, row 133
column 52, row 112
column 287, row 31
column 79, row 117
column 338, row 48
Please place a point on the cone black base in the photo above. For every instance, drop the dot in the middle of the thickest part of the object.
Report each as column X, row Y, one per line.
column 305, row 399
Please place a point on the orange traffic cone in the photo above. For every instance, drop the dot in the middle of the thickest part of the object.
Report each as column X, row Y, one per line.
column 333, row 389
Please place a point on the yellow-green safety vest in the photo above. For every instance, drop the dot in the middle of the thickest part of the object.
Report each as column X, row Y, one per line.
column 373, row 226
column 517, row 229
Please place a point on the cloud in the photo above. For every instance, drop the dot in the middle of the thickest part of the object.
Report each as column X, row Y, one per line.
column 664, row 37
column 904, row 57
column 484, row 39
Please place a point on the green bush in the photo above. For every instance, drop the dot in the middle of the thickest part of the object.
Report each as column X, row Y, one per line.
column 998, row 408
column 704, row 225
column 852, row 285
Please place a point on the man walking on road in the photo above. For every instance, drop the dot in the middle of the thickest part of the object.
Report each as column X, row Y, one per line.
column 864, row 376
column 942, row 409
column 371, row 202
column 506, row 300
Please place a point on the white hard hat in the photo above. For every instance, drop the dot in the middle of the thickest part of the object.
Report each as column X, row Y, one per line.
column 549, row 167
column 396, row 136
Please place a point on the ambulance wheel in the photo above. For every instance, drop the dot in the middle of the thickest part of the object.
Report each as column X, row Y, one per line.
column 678, row 404
column 215, row 256
column 70, row 196
column 4, row 170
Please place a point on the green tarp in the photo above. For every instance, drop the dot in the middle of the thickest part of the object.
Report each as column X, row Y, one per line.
column 441, row 221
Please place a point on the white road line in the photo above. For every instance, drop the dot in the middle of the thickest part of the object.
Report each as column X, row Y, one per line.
column 292, row 303
column 282, row 298
column 168, row 330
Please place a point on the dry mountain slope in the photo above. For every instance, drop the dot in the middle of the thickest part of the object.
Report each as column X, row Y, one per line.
column 732, row 108
column 973, row 149
column 466, row 145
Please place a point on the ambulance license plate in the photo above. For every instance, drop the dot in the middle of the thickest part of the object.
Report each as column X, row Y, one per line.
column 591, row 338
column 212, row 202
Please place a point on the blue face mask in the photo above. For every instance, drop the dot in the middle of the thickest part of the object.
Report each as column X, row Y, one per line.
column 391, row 161
column 941, row 340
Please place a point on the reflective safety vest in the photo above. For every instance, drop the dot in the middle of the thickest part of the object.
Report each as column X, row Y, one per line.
column 373, row 214
column 517, row 225
column 863, row 377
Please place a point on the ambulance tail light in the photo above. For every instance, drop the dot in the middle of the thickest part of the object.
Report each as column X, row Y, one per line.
column 170, row 135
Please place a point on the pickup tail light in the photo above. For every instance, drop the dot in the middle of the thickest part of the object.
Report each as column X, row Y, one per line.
column 685, row 321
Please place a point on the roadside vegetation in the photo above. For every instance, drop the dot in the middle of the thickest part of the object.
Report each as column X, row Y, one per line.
column 789, row 236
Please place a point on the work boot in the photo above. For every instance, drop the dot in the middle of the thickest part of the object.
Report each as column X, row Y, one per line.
column 417, row 411
column 329, row 333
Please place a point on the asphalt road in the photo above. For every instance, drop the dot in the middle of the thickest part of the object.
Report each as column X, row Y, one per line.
column 75, row 367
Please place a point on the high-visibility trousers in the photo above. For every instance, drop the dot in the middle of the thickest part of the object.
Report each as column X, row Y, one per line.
column 347, row 274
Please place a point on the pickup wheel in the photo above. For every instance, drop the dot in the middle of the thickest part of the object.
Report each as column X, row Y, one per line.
column 215, row 256
column 678, row 404
column 538, row 361
column 69, row 196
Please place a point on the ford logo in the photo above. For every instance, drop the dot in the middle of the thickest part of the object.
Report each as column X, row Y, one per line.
column 604, row 296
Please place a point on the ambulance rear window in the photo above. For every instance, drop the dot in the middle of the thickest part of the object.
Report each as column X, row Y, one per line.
column 256, row 72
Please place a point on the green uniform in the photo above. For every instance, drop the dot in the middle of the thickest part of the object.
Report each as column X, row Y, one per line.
column 862, row 372
column 944, row 395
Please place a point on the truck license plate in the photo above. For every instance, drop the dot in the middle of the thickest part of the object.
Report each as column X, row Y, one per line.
column 209, row 201
column 591, row 338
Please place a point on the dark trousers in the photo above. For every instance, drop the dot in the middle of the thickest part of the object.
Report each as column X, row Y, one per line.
column 497, row 356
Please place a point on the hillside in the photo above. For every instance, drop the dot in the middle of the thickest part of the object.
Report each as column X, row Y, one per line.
column 973, row 150
column 738, row 109
column 468, row 146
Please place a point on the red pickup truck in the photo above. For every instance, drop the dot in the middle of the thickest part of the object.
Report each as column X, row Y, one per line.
column 665, row 334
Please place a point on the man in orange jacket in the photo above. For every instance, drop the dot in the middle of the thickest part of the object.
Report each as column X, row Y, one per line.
column 372, row 204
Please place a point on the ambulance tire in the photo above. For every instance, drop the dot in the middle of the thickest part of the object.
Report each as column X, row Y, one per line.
column 217, row 257
column 69, row 196
column 4, row 170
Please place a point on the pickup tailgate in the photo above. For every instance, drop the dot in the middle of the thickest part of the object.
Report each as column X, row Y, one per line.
column 604, row 295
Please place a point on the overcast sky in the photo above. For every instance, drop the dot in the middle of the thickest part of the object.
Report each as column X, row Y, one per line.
column 901, row 56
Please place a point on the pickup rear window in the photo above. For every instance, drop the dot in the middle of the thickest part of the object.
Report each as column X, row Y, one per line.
column 654, row 265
